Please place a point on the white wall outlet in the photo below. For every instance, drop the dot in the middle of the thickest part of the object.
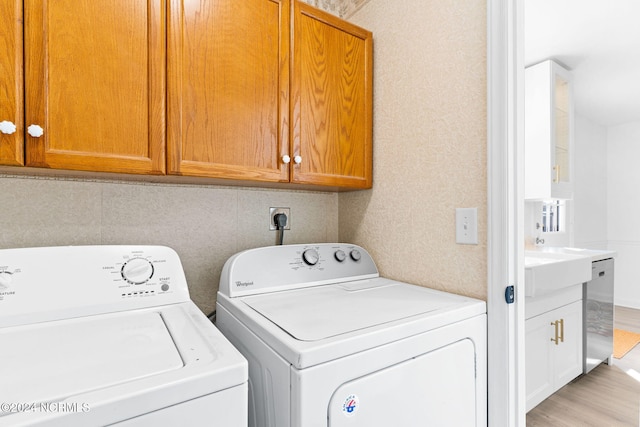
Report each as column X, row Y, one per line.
column 272, row 214
column 467, row 226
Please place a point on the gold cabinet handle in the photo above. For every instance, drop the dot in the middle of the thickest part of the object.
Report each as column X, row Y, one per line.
column 556, row 168
column 561, row 330
column 555, row 324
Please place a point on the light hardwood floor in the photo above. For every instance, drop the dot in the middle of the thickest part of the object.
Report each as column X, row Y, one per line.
column 609, row 396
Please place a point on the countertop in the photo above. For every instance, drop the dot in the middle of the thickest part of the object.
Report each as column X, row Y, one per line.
column 594, row 254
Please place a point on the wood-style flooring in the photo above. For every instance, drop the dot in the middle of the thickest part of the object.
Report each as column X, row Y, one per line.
column 609, row 396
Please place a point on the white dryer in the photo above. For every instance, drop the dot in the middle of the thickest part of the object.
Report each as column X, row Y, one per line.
column 107, row 335
column 331, row 343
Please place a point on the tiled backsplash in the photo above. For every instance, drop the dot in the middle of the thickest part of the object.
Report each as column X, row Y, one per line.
column 204, row 224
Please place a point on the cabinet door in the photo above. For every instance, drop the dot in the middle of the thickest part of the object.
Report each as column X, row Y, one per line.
column 552, row 360
column 568, row 353
column 11, row 88
column 562, row 128
column 549, row 123
column 331, row 100
column 228, row 79
column 95, row 83
column 539, row 362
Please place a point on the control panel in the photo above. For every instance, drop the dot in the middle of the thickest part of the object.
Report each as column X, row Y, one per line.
column 311, row 256
column 276, row 268
column 142, row 273
column 97, row 279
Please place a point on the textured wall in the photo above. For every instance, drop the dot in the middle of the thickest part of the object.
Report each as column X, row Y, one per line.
column 204, row 224
column 429, row 143
column 342, row 8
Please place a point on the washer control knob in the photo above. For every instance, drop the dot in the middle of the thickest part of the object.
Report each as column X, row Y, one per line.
column 355, row 255
column 340, row 255
column 310, row 257
column 5, row 279
column 137, row 271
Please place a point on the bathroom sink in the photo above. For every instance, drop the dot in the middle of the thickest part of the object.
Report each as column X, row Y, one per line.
column 594, row 254
column 546, row 272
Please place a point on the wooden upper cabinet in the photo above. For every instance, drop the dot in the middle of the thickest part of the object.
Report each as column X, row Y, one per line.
column 228, row 89
column 331, row 100
column 258, row 90
column 95, row 84
column 11, row 86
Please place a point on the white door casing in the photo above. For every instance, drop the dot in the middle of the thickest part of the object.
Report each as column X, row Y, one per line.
column 505, row 206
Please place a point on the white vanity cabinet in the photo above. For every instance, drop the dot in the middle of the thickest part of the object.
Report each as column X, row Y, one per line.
column 549, row 132
column 553, row 342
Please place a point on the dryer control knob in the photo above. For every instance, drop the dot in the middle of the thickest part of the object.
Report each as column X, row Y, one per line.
column 310, row 257
column 5, row 279
column 137, row 271
column 340, row 255
column 355, row 255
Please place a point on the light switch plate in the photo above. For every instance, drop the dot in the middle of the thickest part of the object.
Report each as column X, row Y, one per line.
column 467, row 226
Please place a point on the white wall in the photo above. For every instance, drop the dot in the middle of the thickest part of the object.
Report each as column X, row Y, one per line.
column 606, row 202
column 590, row 187
column 587, row 211
column 623, row 201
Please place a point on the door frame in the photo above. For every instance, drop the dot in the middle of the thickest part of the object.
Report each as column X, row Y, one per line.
column 505, row 212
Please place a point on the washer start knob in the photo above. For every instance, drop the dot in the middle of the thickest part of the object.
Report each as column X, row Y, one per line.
column 355, row 255
column 137, row 271
column 310, row 257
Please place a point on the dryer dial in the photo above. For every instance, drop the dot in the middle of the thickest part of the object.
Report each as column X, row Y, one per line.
column 310, row 257
column 5, row 279
column 137, row 271
column 355, row 255
column 340, row 255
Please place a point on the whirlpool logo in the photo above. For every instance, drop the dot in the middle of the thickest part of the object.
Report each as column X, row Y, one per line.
column 350, row 405
column 243, row 284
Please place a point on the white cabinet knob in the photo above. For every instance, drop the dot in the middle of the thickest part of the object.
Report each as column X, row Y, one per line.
column 297, row 159
column 286, row 159
column 7, row 127
column 35, row 131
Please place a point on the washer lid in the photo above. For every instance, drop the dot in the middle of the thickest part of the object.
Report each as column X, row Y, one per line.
column 322, row 312
column 51, row 361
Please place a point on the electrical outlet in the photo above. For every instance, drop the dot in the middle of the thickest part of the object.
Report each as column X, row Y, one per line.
column 272, row 214
column 467, row 226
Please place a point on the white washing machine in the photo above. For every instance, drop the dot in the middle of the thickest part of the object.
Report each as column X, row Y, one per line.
column 331, row 343
column 107, row 335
